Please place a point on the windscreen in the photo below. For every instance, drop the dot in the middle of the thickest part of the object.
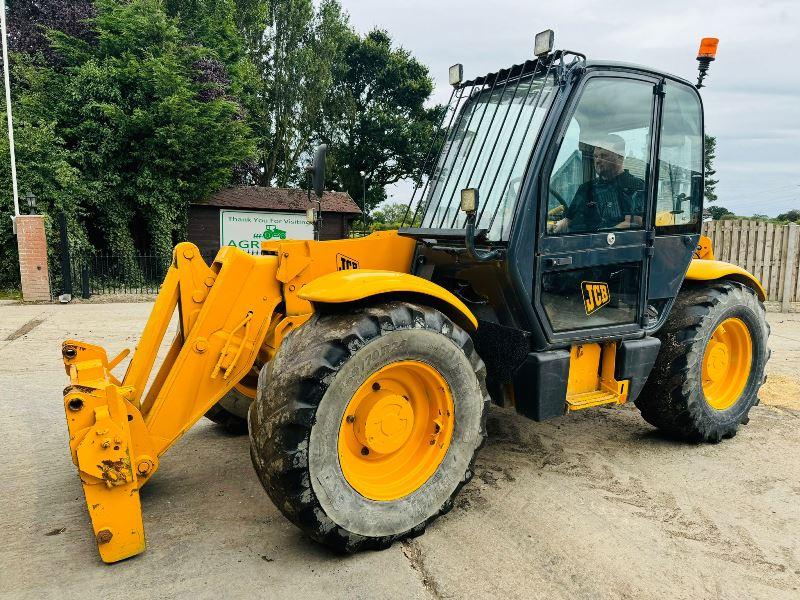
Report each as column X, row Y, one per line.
column 488, row 148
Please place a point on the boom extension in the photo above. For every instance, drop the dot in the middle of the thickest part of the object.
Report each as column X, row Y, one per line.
column 117, row 432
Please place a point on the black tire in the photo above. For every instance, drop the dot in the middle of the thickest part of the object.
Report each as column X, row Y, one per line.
column 231, row 412
column 673, row 398
column 301, row 399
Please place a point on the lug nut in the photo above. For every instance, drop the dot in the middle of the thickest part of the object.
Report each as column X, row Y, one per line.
column 376, row 386
column 104, row 536
column 350, row 418
column 364, row 451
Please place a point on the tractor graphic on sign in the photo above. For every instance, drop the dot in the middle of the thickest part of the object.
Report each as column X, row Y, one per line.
column 272, row 231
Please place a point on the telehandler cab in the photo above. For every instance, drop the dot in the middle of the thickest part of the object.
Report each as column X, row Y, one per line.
column 549, row 267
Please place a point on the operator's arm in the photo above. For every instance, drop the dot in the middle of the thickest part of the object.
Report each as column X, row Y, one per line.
column 572, row 212
column 629, row 221
column 632, row 204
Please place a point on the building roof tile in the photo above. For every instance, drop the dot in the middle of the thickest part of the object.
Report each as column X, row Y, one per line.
column 269, row 198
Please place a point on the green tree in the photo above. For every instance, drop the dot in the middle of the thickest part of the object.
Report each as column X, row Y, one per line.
column 43, row 168
column 709, row 155
column 720, row 212
column 792, row 216
column 145, row 120
column 292, row 60
column 387, row 216
column 376, row 120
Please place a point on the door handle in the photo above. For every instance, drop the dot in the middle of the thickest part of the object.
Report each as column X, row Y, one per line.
column 559, row 262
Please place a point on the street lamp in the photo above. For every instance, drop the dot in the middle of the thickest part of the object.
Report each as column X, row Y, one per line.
column 363, row 197
column 363, row 190
column 30, row 197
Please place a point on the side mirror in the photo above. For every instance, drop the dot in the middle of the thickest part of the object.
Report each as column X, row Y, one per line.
column 469, row 201
column 318, row 173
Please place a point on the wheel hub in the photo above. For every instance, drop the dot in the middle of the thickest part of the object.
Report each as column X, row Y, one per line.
column 384, row 421
column 718, row 361
column 396, row 430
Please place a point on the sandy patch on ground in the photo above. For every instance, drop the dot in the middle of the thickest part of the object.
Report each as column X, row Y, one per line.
column 781, row 390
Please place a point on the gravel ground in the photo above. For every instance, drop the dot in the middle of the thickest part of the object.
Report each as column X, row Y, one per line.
column 595, row 505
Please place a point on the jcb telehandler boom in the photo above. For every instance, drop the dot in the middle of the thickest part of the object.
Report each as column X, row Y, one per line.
column 554, row 263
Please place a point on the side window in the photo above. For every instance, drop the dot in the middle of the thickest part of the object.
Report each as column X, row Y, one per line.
column 680, row 163
column 598, row 181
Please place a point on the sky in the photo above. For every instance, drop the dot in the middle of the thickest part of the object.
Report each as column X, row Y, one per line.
column 752, row 98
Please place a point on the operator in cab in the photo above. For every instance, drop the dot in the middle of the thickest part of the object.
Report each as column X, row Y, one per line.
column 612, row 200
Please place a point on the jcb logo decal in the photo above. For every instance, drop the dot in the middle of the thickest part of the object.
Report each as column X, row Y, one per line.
column 595, row 295
column 343, row 263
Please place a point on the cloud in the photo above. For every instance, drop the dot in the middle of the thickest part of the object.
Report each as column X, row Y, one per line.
column 753, row 91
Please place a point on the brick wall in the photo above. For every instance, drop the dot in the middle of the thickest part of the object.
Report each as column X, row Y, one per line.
column 32, row 246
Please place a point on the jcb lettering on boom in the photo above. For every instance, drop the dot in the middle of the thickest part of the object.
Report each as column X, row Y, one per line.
column 343, row 263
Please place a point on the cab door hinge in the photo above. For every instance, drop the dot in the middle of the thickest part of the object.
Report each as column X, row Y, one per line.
column 658, row 90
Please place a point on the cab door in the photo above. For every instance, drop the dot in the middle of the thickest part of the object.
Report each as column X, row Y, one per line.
column 594, row 241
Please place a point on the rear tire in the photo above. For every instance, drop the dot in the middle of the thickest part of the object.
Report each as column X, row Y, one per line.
column 231, row 412
column 304, row 393
column 680, row 397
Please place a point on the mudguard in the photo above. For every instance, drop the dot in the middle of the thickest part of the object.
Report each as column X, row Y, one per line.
column 709, row 270
column 357, row 284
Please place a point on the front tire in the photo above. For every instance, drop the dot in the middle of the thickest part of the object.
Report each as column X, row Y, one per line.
column 711, row 364
column 375, row 379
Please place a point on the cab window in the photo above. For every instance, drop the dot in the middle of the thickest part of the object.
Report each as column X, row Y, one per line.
column 680, row 162
column 598, row 181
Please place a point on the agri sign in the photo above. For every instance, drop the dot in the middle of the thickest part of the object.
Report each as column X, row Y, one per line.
column 247, row 229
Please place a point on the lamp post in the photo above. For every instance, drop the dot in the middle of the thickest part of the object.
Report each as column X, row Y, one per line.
column 363, row 198
column 30, row 198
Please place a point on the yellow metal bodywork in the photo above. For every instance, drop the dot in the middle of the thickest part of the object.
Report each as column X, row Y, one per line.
column 396, row 430
column 705, row 249
column 348, row 286
column 232, row 317
column 302, row 262
column 710, row 270
column 591, row 379
column 727, row 362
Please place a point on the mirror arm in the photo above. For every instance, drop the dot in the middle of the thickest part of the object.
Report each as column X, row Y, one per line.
column 469, row 242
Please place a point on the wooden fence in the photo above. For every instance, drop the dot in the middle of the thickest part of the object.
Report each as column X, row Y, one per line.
column 767, row 250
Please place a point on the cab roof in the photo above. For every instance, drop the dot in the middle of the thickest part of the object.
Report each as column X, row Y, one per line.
column 529, row 66
column 617, row 64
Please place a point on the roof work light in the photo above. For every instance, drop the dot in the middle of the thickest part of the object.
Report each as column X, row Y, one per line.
column 456, row 74
column 543, row 43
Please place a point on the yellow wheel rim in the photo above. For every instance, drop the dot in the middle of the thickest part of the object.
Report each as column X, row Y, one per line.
column 726, row 363
column 396, row 430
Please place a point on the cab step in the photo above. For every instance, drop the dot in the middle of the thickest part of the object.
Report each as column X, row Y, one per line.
column 596, row 398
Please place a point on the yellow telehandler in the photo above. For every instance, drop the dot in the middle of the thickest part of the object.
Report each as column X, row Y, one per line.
column 554, row 263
